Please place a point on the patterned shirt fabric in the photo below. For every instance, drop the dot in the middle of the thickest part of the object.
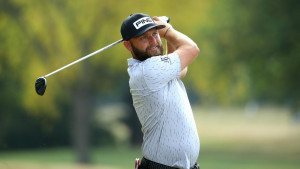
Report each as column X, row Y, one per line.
column 163, row 108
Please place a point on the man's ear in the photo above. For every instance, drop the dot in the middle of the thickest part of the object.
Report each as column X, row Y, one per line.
column 127, row 45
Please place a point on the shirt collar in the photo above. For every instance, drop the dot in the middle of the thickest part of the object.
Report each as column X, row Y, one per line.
column 132, row 61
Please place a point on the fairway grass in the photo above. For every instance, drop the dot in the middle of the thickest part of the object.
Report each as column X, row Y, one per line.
column 32, row 165
column 230, row 139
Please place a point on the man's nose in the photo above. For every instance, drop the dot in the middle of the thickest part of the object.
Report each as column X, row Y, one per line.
column 151, row 40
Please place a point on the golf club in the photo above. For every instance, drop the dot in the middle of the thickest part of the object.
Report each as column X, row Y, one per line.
column 41, row 83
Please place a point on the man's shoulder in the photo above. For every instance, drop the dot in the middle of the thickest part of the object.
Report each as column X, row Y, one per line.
column 132, row 61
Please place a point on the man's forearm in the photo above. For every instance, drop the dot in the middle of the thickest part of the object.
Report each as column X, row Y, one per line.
column 186, row 48
column 170, row 48
column 178, row 39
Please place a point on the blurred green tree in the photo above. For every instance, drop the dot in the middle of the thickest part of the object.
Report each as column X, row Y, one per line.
column 249, row 52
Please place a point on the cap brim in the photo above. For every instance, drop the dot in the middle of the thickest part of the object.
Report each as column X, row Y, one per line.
column 151, row 27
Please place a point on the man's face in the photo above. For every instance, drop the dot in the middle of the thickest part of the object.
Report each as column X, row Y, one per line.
column 147, row 45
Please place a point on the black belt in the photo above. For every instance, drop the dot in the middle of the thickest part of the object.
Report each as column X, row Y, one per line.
column 153, row 165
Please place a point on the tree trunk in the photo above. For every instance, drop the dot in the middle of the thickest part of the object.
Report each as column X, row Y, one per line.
column 81, row 117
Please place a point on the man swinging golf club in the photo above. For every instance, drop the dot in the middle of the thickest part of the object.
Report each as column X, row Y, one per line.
column 159, row 96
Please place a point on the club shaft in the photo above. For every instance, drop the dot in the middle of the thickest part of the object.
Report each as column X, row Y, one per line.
column 83, row 58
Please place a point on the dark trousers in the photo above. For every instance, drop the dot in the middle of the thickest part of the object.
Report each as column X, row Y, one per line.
column 147, row 164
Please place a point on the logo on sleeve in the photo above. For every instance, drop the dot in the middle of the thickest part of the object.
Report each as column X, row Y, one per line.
column 142, row 22
column 166, row 59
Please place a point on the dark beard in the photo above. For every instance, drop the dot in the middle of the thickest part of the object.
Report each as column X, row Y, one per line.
column 143, row 55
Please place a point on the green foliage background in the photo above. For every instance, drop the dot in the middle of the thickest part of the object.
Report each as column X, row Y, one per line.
column 249, row 52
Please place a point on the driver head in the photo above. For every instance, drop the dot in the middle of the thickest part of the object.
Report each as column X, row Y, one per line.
column 40, row 85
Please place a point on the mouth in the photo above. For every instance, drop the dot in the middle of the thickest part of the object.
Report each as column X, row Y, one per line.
column 154, row 48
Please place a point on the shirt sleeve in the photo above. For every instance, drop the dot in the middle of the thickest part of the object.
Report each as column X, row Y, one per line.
column 159, row 70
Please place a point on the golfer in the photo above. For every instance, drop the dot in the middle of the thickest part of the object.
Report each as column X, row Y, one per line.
column 159, row 97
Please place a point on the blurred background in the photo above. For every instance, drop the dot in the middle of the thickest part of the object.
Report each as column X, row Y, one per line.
column 244, row 86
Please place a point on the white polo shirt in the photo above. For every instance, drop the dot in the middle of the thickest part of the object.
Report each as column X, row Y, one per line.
column 164, row 111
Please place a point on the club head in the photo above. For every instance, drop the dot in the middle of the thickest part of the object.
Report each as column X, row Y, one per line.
column 40, row 86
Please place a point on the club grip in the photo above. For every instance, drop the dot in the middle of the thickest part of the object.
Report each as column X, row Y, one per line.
column 164, row 19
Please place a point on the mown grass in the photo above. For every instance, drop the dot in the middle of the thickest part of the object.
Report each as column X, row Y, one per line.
column 230, row 139
column 265, row 138
column 105, row 157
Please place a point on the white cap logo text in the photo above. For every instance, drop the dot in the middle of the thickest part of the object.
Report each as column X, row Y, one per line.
column 142, row 22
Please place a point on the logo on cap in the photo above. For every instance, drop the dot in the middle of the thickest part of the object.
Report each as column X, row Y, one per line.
column 142, row 22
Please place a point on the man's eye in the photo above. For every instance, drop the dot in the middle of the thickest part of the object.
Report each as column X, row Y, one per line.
column 155, row 34
column 143, row 37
